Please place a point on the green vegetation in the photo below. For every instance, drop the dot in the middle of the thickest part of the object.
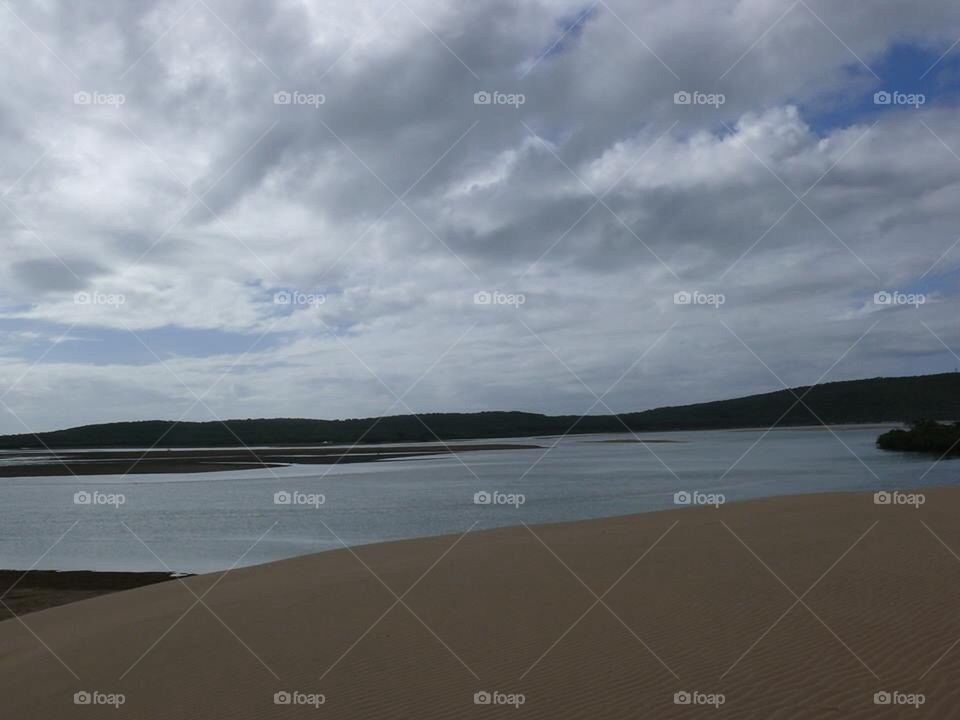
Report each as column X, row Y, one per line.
column 856, row 401
column 924, row 436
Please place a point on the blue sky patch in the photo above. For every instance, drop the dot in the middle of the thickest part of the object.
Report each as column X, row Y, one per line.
column 908, row 74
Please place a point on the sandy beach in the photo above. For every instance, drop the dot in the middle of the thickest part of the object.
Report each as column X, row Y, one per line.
column 798, row 607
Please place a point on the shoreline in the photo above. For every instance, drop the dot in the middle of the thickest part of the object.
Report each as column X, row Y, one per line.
column 130, row 579
column 698, row 599
column 132, row 575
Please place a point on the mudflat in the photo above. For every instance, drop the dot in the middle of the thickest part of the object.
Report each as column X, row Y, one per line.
column 125, row 462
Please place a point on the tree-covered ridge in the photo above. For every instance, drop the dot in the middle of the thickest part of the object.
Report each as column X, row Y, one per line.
column 877, row 400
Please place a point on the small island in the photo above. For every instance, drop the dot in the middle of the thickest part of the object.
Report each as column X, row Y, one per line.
column 924, row 436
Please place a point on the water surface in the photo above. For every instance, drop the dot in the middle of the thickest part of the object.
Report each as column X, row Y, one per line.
column 210, row 521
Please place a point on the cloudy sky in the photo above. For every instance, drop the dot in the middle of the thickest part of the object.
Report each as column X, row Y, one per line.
column 237, row 208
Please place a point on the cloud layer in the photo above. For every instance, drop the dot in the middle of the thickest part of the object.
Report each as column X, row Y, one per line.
column 174, row 173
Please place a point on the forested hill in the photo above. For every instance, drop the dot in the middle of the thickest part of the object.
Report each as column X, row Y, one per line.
column 903, row 399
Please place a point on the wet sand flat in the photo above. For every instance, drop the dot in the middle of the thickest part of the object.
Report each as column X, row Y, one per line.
column 124, row 462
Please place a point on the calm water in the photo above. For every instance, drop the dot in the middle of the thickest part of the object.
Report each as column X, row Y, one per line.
column 203, row 522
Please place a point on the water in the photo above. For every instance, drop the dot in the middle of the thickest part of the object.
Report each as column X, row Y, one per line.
column 210, row 521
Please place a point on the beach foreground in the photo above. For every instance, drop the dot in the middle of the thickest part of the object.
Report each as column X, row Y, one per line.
column 799, row 607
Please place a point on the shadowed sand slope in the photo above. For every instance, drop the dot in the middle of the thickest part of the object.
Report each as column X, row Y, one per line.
column 801, row 607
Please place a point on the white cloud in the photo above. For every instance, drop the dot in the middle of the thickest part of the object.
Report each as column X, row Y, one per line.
column 199, row 198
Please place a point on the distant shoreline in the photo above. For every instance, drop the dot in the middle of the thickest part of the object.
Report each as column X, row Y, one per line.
column 876, row 401
column 185, row 460
column 81, row 461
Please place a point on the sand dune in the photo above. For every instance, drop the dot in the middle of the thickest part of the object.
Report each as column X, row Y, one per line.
column 800, row 607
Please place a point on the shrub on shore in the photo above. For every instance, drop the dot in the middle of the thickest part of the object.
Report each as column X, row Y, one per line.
column 924, row 436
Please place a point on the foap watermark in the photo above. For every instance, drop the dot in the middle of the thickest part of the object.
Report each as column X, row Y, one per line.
column 95, row 497
column 695, row 697
column 496, row 497
column 685, row 297
column 85, row 97
column 514, row 100
column 295, row 97
column 699, row 98
column 295, row 297
column 99, row 298
column 496, row 297
column 896, row 697
column 95, row 697
column 695, row 497
column 295, row 697
column 899, row 498
column 295, row 497
column 885, row 97
column 895, row 297
column 495, row 697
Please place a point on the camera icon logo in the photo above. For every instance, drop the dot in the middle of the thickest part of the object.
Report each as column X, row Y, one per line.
column 482, row 698
column 282, row 698
column 883, row 298
column 682, row 98
column 82, row 498
column 282, row 497
column 482, row 498
column 682, row 698
column 681, row 498
column 682, row 298
column 882, row 98
column 82, row 98
column 82, row 698
column 282, row 98
column 882, row 698
column 882, row 498
column 282, row 298
column 482, row 298
column 482, row 98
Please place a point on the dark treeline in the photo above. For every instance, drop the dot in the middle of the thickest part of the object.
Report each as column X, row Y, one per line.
column 905, row 399
column 925, row 436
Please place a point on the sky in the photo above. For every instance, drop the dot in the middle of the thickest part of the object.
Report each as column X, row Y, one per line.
column 217, row 209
